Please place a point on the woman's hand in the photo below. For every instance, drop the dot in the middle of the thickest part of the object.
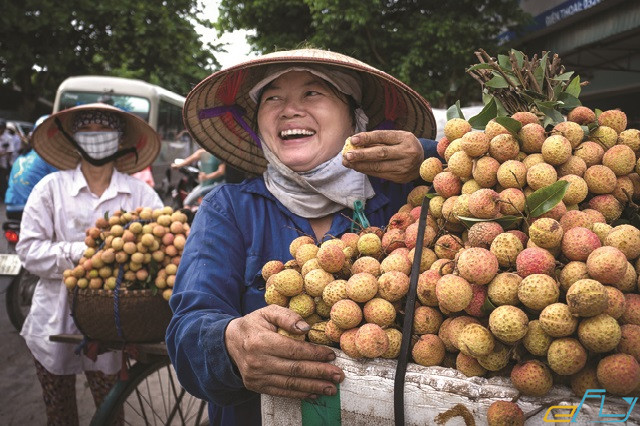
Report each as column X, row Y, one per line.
column 393, row 155
column 202, row 176
column 273, row 364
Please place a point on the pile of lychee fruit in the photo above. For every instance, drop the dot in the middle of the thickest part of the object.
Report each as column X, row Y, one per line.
column 142, row 246
column 546, row 298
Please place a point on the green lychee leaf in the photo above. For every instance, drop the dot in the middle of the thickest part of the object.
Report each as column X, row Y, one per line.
column 511, row 124
column 454, row 111
column 490, row 111
column 497, row 82
column 487, row 306
column 519, row 57
column 507, row 221
column 513, row 79
column 598, row 112
column 479, row 67
column 547, row 108
column 574, row 87
column 548, row 104
column 504, row 221
column 565, row 76
column 544, row 199
column 503, row 61
column 106, row 215
column 547, row 122
column 539, row 72
column 586, row 131
column 569, row 101
column 502, row 111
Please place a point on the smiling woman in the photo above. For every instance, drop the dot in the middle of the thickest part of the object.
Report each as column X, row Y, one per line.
column 223, row 341
column 301, row 121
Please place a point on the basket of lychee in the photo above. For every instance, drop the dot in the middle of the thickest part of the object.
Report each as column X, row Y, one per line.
column 530, row 264
column 120, row 287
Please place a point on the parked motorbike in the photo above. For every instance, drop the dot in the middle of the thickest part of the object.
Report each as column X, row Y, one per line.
column 22, row 284
column 178, row 192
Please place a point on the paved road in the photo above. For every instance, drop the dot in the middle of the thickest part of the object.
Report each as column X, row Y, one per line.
column 20, row 393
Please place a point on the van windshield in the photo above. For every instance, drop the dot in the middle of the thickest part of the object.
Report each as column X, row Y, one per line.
column 133, row 104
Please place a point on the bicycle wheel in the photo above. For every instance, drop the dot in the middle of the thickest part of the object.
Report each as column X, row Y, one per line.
column 151, row 396
column 18, row 298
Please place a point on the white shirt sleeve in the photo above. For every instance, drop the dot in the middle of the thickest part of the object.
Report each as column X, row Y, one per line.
column 38, row 251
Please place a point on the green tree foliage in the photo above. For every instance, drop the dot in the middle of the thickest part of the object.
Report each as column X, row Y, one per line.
column 428, row 44
column 44, row 41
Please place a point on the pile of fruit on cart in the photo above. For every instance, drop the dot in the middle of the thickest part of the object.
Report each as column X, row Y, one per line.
column 531, row 250
column 143, row 245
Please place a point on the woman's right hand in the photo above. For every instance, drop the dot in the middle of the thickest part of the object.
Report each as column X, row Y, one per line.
column 273, row 364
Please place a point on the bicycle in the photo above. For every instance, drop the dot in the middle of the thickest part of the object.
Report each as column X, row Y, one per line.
column 150, row 395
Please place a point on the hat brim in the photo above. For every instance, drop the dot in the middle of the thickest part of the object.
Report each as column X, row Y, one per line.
column 55, row 149
column 228, row 141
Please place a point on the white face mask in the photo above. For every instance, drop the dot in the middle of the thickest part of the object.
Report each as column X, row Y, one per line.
column 98, row 145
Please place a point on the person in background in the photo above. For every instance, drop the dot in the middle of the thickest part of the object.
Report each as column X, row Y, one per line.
column 283, row 117
column 146, row 176
column 95, row 147
column 26, row 172
column 16, row 142
column 212, row 173
column 6, row 150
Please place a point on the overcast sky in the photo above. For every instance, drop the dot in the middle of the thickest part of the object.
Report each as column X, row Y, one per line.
column 237, row 45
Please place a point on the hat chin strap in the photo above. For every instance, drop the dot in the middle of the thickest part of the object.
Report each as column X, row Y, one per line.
column 87, row 157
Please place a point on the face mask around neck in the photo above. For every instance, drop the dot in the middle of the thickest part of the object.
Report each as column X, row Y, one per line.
column 98, row 145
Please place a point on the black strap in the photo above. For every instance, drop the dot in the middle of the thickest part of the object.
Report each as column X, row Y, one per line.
column 409, row 310
column 95, row 162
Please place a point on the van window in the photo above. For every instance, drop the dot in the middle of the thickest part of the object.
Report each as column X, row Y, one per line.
column 170, row 127
column 134, row 104
column 169, row 120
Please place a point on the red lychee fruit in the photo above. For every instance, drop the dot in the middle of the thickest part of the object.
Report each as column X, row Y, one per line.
column 443, row 143
column 578, row 243
column 428, row 351
column 613, row 118
column 484, row 203
column 619, row 373
column 525, row 117
column 581, row 115
column 607, row 264
column 502, row 413
column 477, row 301
column 535, row 260
column 532, row 378
column 447, row 184
column 477, row 265
column 482, row 234
column 454, row 293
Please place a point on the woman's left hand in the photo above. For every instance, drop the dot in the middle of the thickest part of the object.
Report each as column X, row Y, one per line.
column 393, row 155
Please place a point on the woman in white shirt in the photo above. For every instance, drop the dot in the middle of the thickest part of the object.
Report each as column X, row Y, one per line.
column 95, row 147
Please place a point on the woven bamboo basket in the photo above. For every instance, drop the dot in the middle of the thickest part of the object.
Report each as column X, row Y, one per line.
column 143, row 316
